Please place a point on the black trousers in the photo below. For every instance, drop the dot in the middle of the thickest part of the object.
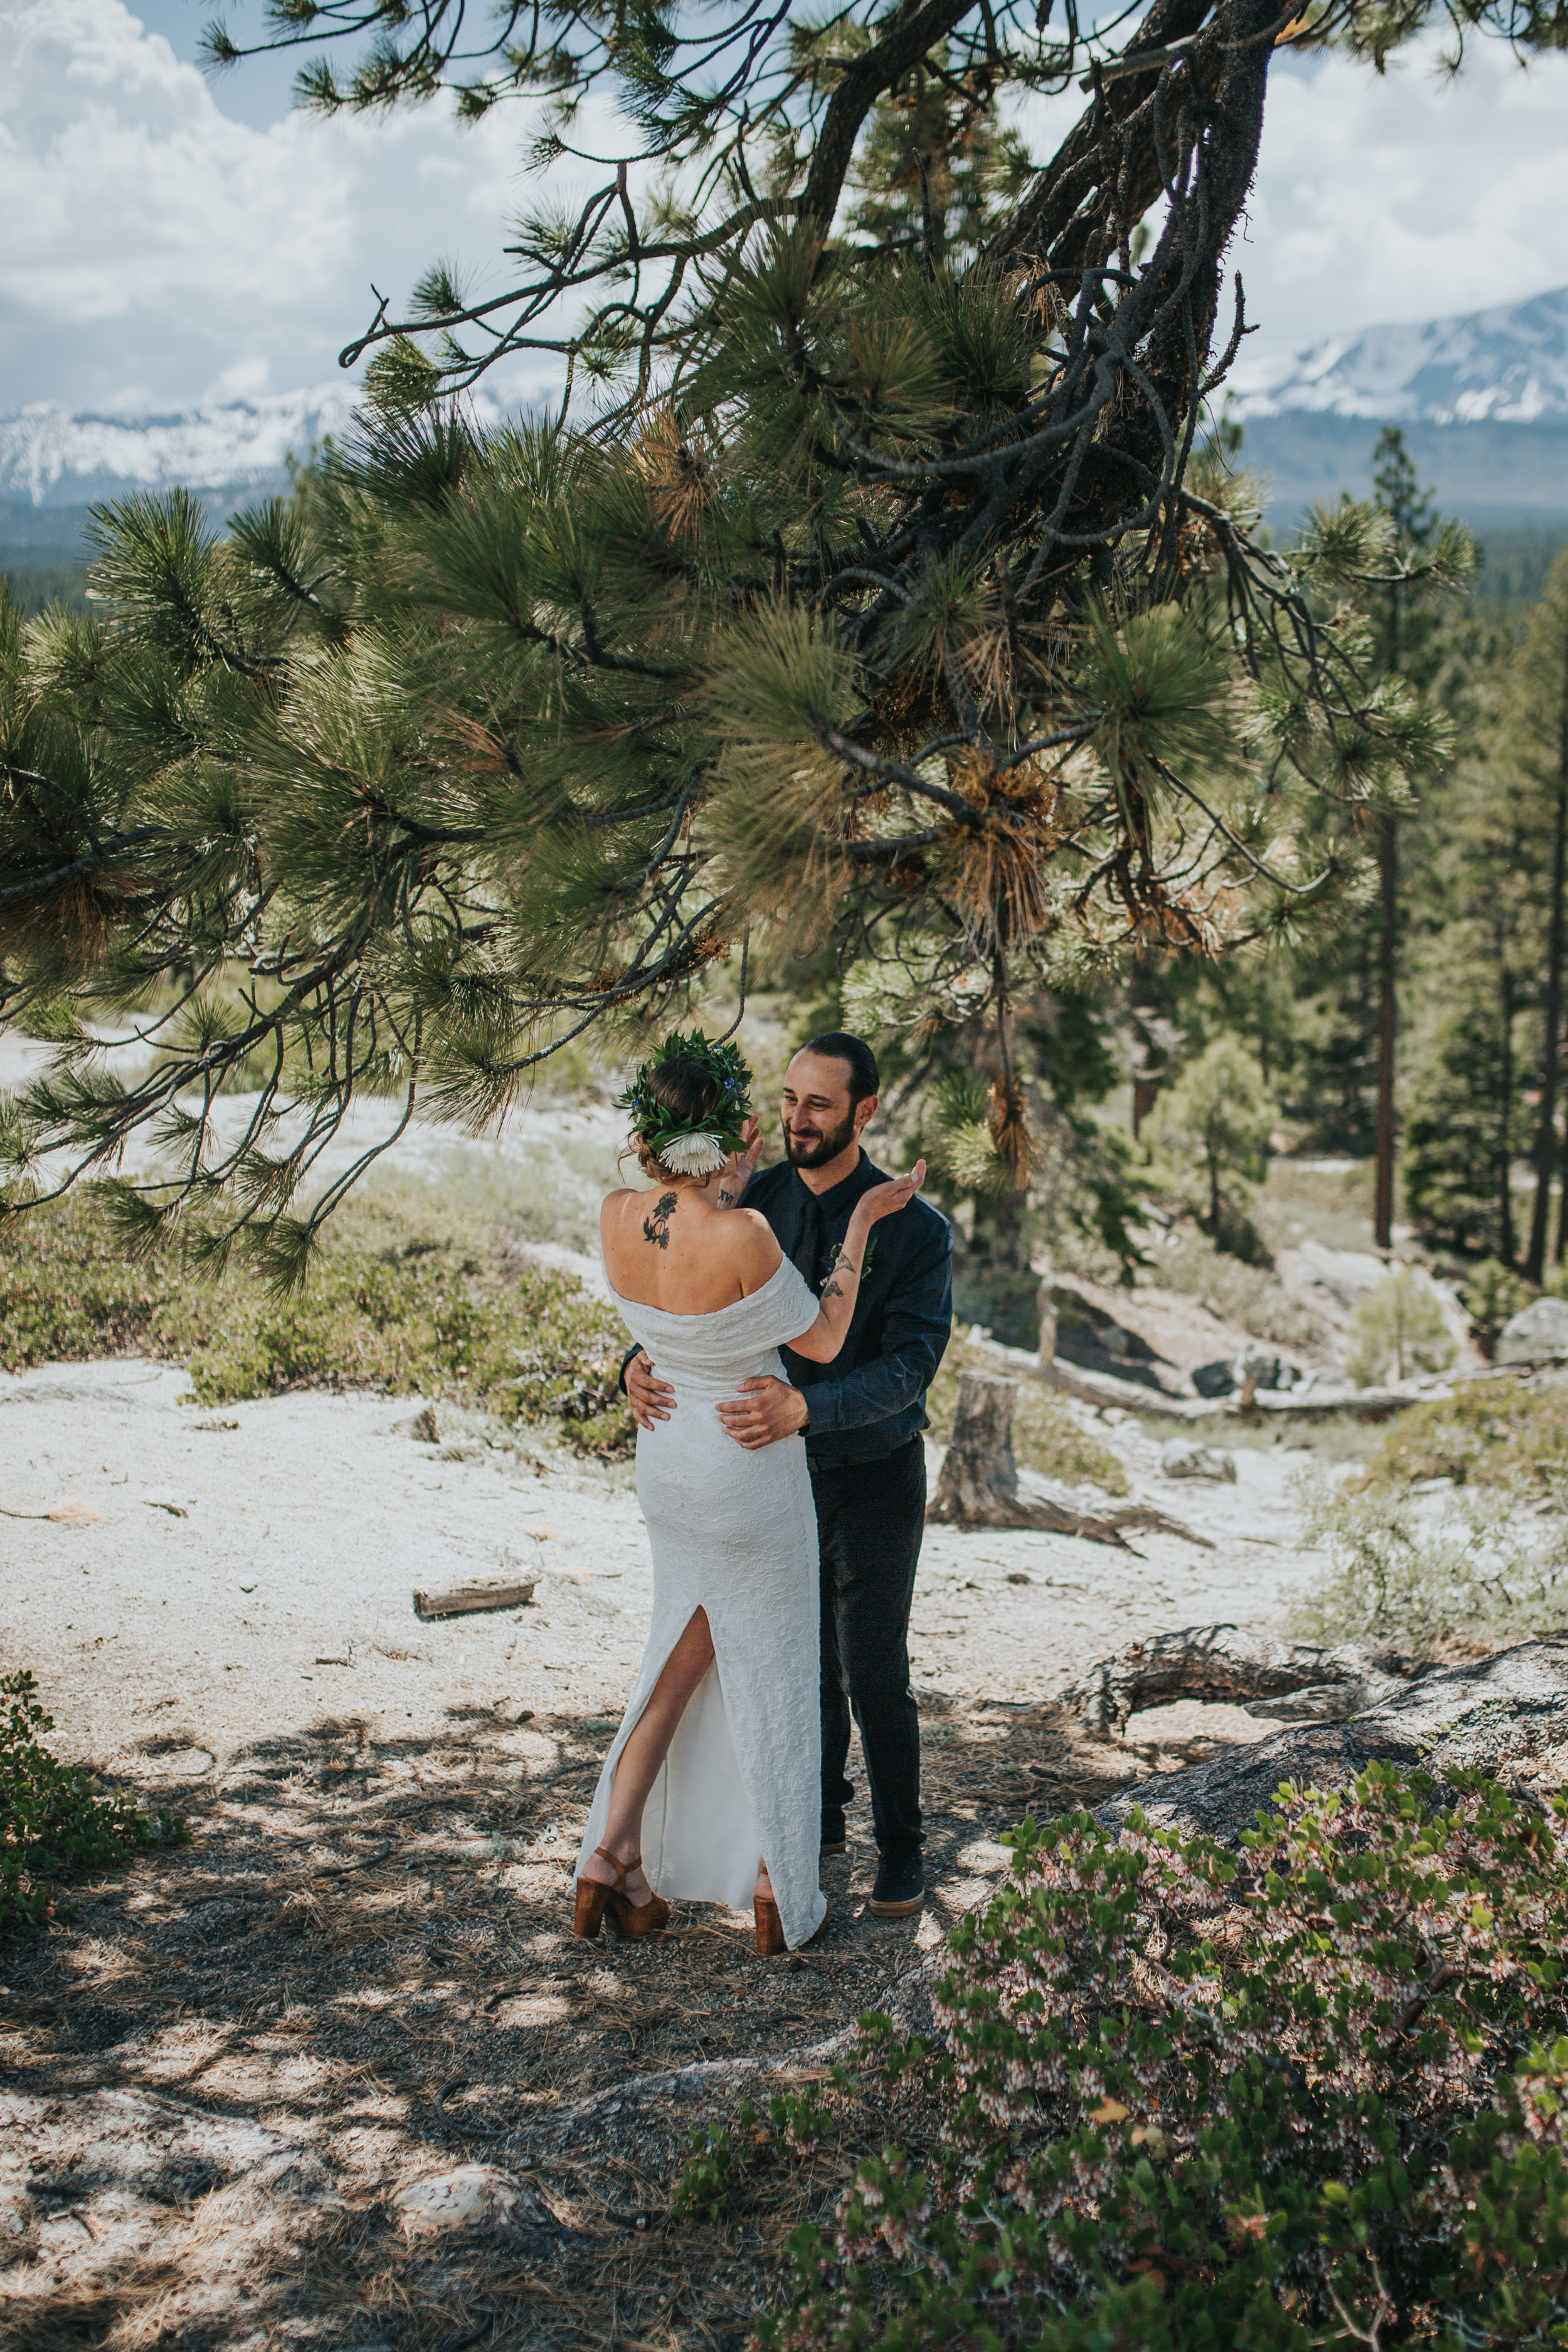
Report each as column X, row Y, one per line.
column 870, row 1517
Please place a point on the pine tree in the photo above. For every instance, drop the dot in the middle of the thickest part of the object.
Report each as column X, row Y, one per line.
column 1406, row 628
column 1542, row 749
column 863, row 595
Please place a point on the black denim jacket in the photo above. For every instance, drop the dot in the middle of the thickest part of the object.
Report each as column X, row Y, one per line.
column 871, row 1397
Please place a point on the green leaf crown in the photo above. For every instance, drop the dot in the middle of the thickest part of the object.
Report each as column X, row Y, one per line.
column 658, row 1125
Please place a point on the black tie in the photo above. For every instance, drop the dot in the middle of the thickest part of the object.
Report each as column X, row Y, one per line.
column 808, row 1238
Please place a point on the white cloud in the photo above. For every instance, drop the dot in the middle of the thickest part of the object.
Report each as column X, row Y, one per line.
column 1405, row 196
column 161, row 251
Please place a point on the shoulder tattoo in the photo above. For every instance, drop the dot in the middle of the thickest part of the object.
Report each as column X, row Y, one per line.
column 655, row 1228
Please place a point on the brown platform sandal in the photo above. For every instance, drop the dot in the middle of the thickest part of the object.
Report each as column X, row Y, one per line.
column 629, row 1920
column 770, row 1928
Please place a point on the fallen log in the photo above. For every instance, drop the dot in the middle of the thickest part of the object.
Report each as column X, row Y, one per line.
column 1506, row 1715
column 1298, row 1681
column 979, row 1484
column 468, row 1600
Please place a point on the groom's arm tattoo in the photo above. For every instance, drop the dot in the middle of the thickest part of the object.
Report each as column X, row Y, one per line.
column 656, row 1227
column 835, row 1288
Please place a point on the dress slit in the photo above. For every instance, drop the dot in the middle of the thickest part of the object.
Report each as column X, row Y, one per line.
column 733, row 1533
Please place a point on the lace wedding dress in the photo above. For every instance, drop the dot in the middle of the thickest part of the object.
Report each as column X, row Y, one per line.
column 733, row 1532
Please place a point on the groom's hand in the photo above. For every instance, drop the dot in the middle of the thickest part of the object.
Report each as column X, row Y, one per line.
column 767, row 1410
column 650, row 1399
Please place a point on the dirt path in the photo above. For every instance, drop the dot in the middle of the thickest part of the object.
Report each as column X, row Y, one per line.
column 219, row 2082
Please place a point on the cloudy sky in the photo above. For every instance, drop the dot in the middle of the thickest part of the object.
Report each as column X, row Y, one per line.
column 171, row 240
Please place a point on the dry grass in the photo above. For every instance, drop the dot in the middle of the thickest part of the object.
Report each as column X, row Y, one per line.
column 218, row 2080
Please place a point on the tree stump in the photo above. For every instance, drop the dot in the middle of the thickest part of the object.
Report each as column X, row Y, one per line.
column 979, row 1482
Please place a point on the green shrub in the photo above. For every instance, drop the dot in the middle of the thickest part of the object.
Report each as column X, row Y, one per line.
column 1399, row 1329
column 53, row 1817
column 1492, row 1294
column 1488, row 1432
column 436, row 1315
column 1308, row 2095
column 1236, row 1293
column 1475, row 1567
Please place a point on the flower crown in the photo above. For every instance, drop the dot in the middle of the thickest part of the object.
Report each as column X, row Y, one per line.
column 671, row 1136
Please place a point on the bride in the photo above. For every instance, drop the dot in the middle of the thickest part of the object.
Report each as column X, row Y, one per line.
column 709, row 1791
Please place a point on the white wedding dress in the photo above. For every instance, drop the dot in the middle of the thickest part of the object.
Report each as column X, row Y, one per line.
column 734, row 1532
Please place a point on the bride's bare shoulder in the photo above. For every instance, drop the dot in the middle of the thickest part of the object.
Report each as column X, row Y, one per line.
column 749, row 1241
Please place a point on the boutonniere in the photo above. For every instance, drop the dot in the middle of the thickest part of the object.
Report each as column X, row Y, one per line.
column 838, row 1251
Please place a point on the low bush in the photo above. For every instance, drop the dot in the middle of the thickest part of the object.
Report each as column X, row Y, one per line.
column 1488, row 1432
column 1417, row 1573
column 444, row 1316
column 1310, row 2093
column 53, row 1816
column 1399, row 1328
column 1186, row 1260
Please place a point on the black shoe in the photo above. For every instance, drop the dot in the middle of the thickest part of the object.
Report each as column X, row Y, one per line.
column 833, row 1838
column 832, row 1846
column 900, row 1889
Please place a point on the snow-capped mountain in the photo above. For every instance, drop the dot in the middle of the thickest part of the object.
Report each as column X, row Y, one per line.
column 1507, row 366
column 1483, row 399
column 49, row 457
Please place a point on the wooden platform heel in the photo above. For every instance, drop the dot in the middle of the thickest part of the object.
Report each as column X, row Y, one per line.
column 597, row 1904
column 770, row 1927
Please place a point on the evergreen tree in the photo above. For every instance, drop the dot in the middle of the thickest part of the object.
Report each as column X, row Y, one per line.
column 1542, row 750
column 1405, row 633
column 874, row 598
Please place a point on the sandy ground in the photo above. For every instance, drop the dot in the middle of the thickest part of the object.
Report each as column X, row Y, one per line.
column 216, row 1576
column 223, row 2083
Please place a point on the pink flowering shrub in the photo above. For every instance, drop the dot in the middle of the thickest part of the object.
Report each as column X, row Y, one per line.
column 1309, row 2094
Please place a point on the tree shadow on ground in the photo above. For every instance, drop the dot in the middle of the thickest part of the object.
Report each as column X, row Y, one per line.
column 361, row 1973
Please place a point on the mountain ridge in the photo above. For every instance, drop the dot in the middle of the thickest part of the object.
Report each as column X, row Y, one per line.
column 1504, row 365
column 52, row 455
column 1482, row 396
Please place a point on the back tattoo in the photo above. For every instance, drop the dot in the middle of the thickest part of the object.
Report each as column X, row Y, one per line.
column 655, row 1228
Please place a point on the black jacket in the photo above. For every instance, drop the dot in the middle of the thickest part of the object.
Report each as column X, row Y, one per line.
column 871, row 1397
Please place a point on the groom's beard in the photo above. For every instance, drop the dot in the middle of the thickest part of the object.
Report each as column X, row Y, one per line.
column 815, row 1150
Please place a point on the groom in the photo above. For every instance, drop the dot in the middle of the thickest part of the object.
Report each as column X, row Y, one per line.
column 862, row 1416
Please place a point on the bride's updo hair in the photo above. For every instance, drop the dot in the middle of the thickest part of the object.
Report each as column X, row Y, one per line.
column 686, row 1086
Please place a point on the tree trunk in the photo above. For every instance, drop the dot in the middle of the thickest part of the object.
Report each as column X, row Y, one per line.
column 1557, row 901
column 1504, row 1715
column 1507, row 1244
column 1387, row 1015
column 1227, row 1664
column 979, row 1482
column 1546, row 1124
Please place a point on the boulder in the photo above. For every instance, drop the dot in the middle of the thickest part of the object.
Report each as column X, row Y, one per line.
column 1215, row 1380
column 1536, row 1335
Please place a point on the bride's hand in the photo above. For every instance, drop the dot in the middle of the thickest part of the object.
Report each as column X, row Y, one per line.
column 887, row 1200
column 741, row 1166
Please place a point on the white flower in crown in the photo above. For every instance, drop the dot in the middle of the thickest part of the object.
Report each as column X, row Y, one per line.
column 693, row 1155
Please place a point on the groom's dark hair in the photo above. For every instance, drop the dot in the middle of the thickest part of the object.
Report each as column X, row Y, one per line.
column 837, row 1046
